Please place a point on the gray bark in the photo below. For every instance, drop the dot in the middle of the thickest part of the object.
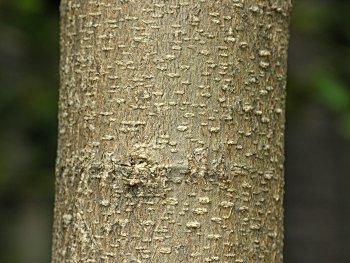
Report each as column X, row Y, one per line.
column 171, row 126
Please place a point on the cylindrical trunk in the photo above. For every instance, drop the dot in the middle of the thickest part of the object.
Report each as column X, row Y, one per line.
column 171, row 120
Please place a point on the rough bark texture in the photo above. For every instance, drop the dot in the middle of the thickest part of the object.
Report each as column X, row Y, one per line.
column 171, row 131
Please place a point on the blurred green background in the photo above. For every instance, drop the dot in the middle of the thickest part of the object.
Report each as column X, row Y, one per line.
column 317, row 200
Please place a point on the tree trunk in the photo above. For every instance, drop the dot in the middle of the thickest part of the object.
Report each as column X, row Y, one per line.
column 171, row 120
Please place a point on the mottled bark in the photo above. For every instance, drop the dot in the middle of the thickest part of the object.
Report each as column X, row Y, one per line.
column 171, row 131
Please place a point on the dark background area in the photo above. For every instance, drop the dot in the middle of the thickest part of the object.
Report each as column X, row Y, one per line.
column 317, row 199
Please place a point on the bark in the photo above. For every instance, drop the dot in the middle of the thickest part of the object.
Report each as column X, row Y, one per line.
column 171, row 121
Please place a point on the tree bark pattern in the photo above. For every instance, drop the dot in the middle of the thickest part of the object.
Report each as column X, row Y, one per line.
column 171, row 122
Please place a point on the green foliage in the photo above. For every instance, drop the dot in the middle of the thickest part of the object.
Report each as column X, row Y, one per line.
column 319, row 60
column 345, row 120
column 311, row 18
column 30, row 6
column 331, row 92
column 28, row 97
